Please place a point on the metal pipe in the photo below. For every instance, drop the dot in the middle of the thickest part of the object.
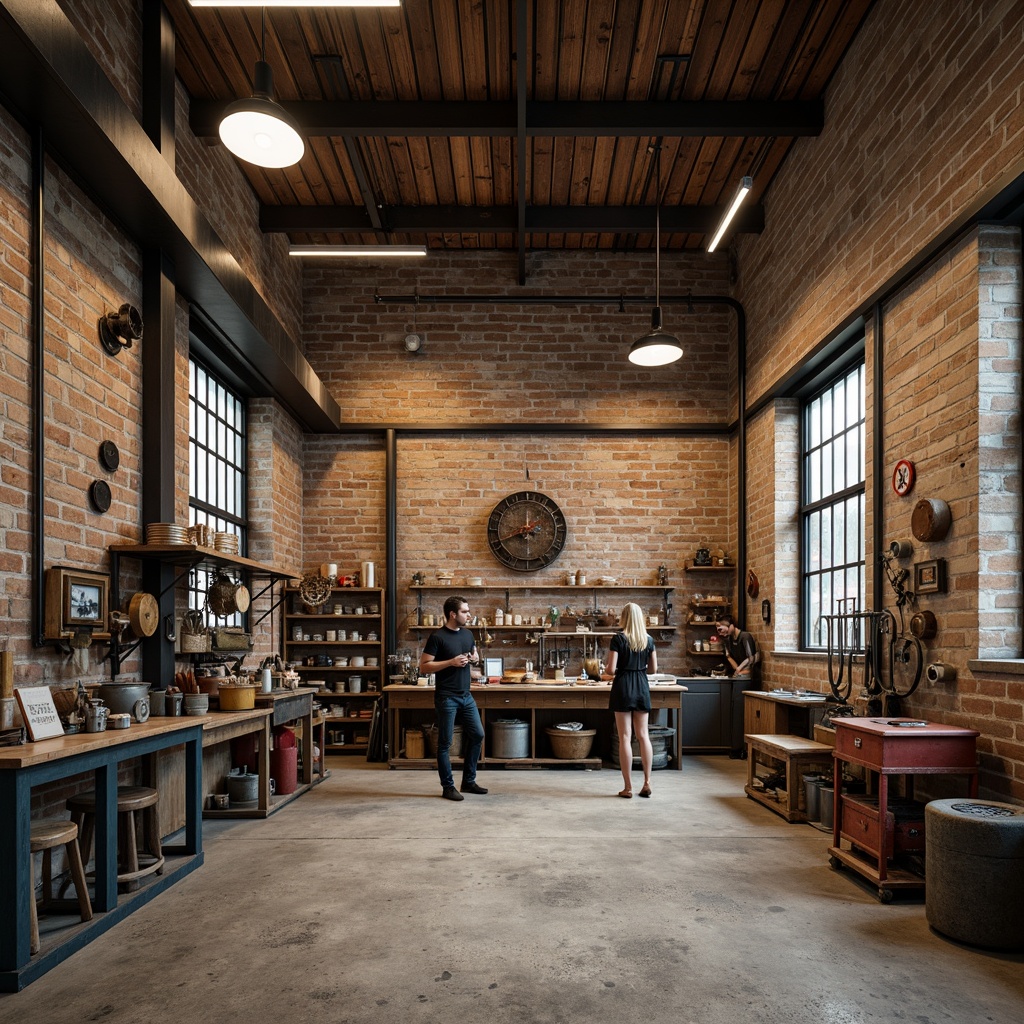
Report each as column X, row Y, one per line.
column 38, row 413
column 878, row 452
column 390, row 539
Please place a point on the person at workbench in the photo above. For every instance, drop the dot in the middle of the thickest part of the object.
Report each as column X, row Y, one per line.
column 448, row 654
column 741, row 651
column 744, row 660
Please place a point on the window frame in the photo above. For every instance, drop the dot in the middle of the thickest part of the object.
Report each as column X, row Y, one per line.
column 226, row 465
column 812, row 510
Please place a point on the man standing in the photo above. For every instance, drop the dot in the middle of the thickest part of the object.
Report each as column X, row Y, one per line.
column 744, row 658
column 448, row 653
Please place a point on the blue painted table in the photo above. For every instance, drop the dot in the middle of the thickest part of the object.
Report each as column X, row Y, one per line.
column 34, row 764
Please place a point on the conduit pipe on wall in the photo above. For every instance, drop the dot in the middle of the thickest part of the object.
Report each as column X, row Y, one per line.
column 38, row 307
column 878, row 450
column 621, row 301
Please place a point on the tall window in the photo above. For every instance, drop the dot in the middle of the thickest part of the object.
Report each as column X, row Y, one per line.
column 832, row 506
column 217, row 490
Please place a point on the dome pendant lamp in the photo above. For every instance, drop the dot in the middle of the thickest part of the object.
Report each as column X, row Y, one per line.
column 659, row 348
column 259, row 130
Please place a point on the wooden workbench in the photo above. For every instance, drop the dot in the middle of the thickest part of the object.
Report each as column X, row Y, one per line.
column 537, row 703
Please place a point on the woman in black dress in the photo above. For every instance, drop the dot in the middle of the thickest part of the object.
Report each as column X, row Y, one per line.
column 631, row 657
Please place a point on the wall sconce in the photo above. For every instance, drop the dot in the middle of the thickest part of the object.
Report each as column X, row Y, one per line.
column 118, row 330
column 414, row 344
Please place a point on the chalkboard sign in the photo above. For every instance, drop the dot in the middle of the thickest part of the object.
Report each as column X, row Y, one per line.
column 39, row 712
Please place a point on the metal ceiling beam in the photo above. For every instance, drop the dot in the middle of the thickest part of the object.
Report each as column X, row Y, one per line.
column 728, row 119
column 483, row 219
column 49, row 77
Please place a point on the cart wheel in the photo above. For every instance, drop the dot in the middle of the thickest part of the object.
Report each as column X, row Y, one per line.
column 885, row 895
column 835, row 864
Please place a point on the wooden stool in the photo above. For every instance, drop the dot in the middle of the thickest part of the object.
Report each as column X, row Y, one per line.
column 130, row 799
column 44, row 836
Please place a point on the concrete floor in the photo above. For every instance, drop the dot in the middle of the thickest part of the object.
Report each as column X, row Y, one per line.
column 372, row 900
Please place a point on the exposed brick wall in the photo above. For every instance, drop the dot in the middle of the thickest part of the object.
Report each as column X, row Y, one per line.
column 214, row 180
column 518, row 363
column 112, row 30
column 923, row 115
column 630, row 503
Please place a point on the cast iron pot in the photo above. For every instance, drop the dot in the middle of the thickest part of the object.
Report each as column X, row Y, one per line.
column 126, row 699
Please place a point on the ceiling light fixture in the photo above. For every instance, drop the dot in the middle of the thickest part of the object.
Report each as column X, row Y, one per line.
column 259, row 130
column 746, row 184
column 295, row 3
column 658, row 348
column 357, row 250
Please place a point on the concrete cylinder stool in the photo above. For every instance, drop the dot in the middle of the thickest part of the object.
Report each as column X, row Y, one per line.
column 44, row 837
column 130, row 801
column 974, row 871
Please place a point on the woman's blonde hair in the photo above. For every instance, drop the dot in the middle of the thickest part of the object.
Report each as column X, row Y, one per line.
column 631, row 622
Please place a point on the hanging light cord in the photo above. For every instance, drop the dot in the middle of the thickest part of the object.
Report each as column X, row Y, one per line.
column 657, row 226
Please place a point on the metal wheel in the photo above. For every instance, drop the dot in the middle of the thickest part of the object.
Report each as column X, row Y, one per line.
column 835, row 864
column 906, row 665
column 885, row 895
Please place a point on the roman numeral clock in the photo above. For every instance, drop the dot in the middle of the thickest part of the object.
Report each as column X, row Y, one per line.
column 526, row 531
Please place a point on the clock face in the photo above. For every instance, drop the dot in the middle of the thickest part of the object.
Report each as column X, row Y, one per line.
column 526, row 531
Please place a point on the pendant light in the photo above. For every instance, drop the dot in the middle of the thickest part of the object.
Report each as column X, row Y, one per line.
column 659, row 348
column 258, row 129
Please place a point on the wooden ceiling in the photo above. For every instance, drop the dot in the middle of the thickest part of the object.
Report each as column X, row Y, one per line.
column 423, row 126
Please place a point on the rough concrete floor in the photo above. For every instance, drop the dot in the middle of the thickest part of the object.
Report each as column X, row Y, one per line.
column 370, row 899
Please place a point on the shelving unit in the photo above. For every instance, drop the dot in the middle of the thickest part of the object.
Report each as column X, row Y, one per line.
column 711, row 610
column 336, row 691
column 184, row 558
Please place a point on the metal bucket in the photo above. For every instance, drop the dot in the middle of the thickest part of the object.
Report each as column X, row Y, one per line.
column 812, row 796
column 510, row 738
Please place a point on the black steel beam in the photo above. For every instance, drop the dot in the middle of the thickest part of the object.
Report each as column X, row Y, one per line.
column 49, row 77
column 727, row 118
column 537, row 219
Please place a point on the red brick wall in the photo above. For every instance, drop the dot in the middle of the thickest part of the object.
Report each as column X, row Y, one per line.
column 924, row 114
column 518, row 363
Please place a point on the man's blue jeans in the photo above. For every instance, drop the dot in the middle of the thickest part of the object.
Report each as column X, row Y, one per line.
column 461, row 708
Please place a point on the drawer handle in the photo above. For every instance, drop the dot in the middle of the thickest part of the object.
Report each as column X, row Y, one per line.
column 863, row 826
column 857, row 741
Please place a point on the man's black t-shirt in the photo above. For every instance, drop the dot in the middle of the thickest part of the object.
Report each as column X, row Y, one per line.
column 444, row 645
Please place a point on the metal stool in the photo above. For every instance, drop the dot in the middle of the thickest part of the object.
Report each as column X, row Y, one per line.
column 130, row 799
column 44, row 836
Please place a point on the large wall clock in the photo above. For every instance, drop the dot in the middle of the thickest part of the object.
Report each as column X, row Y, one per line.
column 526, row 531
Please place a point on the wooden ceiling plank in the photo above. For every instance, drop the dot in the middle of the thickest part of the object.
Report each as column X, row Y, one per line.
column 542, row 75
column 705, row 54
column 449, row 49
column 473, row 48
column 572, row 28
column 649, row 43
column 596, row 50
column 738, row 27
column 602, row 160
column 420, row 28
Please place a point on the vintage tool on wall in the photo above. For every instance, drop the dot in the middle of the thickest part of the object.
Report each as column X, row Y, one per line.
column 893, row 656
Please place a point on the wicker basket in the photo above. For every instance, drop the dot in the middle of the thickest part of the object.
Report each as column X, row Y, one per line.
column 571, row 746
column 194, row 643
column 231, row 638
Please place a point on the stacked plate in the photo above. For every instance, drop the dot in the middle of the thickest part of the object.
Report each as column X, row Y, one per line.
column 166, row 533
column 227, row 543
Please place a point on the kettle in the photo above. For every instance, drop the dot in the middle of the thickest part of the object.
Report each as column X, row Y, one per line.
column 96, row 716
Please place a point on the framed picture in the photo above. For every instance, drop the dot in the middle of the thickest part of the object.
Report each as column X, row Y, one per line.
column 76, row 601
column 930, row 576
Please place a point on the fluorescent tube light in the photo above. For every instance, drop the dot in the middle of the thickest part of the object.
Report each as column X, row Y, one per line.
column 357, row 250
column 295, row 3
column 746, row 184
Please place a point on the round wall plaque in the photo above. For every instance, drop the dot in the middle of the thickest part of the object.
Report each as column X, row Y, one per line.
column 99, row 495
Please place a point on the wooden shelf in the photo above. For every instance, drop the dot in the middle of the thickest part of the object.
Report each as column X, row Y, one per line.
column 708, row 568
column 193, row 555
column 542, row 586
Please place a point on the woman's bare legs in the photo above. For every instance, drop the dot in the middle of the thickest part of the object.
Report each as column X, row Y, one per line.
column 624, row 727
column 646, row 751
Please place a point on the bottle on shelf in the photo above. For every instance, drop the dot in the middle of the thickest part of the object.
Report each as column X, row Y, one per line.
column 499, row 616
